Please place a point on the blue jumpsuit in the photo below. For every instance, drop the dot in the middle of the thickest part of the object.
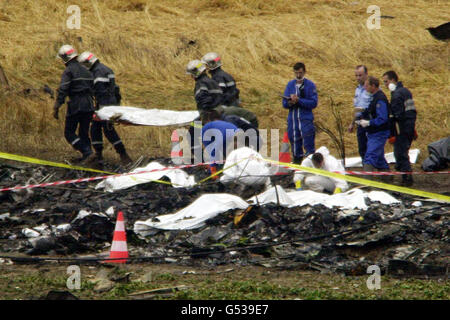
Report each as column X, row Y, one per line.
column 300, row 121
column 215, row 137
column 378, row 131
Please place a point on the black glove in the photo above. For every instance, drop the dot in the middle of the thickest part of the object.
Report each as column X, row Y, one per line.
column 117, row 94
column 56, row 107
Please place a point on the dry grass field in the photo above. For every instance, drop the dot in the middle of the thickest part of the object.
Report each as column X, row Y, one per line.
column 149, row 42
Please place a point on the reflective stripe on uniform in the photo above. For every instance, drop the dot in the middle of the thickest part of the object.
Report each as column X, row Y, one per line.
column 78, row 79
column 409, row 105
column 222, row 84
column 101, row 79
column 97, row 142
column 200, row 89
column 231, row 83
column 215, row 91
column 117, row 142
column 75, row 141
column 111, row 76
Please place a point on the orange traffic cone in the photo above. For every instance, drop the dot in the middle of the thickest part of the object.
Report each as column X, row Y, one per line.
column 285, row 154
column 119, row 247
column 177, row 153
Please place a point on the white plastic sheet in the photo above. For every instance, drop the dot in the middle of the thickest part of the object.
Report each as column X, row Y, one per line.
column 83, row 214
column 270, row 196
column 352, row 199
column 383, row 197
column 147, row 117
column 251, row 171
column 178, row 177
column 356, row 161
column 194, row 215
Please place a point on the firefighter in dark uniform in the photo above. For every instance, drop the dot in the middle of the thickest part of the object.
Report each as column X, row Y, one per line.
column 106, row 94
column 224, row 80
column 76, row 83
column 404, row 116
column 208, row 96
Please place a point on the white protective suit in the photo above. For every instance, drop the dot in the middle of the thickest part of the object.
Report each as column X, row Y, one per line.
column 320, row 183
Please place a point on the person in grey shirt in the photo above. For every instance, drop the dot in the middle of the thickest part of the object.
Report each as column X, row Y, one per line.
column 361, row 101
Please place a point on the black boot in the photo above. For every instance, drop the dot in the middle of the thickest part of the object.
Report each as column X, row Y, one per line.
column 99, row 159
column 85, row 158
column 407, row 180
column 368, row 168
column 386, row 178
column 125, row 158
column 297, row 160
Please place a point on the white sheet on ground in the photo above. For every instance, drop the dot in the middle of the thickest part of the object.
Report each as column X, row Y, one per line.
column 352, row 199
column 356, row 161
column 194, row 215
column 147, row 117
column 254, row 171
column 383, row 197
column 178, row 177
column 270, row 196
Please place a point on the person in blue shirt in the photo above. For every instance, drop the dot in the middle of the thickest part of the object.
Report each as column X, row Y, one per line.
column 250, row 133
column 300, row 97
column 361, row 102
column 376, row 121
column 217, row 136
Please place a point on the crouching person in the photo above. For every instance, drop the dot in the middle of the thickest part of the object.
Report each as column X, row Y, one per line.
column 321, row 160
column 217, row 138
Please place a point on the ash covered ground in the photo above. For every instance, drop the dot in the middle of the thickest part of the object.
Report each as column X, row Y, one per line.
column 402, row 239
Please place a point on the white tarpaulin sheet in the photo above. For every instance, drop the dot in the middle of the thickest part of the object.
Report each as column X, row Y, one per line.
column 356, row 161
column 194, row 215
column 250, row 168
column 178, row 177
column 352, row 199
column 147, row 117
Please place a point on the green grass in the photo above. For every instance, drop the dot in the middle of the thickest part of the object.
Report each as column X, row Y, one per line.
column 241, row 283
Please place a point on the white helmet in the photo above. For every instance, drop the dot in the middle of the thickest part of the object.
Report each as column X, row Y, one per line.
column 67, row 53
column 212, row 60
column 87, row 59
column 195, row 68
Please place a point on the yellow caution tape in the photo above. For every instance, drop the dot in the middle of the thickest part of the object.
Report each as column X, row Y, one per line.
column 366, row 182
column 63, row 165
column 48, row 163
column 220, row 171
column 197, row 125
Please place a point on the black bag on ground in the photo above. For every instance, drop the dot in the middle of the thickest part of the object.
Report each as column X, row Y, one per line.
column 439, row 155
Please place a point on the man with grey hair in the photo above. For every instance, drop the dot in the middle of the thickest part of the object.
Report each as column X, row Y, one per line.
column 361, row 101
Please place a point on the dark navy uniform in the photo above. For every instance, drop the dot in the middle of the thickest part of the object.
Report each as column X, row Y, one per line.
column 208, row 96
column 378, row 131
column 106, row 94
column 207, row 93
column 404, row 114
column 77, row 84
column 228, row 85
